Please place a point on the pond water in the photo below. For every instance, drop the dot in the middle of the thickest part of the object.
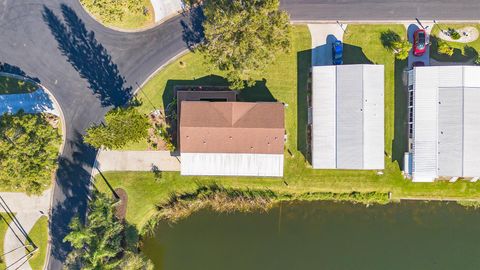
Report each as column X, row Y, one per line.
column 322, row 235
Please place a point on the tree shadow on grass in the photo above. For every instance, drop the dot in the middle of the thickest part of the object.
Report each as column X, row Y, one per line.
column 400, row 136
column 88, row 56
column 458, row 55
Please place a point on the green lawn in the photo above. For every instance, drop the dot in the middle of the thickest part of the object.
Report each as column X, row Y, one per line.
column 10, row 85
column 131, row 20
column 463, row 52
column 286, row 80
column 39, row 235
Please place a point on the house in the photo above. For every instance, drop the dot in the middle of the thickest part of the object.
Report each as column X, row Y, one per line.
column 444, row 123
column 348, row 117
column 232, row 138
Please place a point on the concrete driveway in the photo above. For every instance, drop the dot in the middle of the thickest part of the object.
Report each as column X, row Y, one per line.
column 323, row 35
column 411, row 28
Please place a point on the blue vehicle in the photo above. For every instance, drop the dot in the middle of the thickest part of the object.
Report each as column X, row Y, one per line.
column 337, row 52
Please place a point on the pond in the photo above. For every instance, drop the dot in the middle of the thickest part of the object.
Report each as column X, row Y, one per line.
column 322, row 235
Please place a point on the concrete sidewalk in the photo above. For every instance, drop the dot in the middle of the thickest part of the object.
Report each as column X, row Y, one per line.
column 323, row 35
column 136, row 161
column 166, row 8
column 27, row 212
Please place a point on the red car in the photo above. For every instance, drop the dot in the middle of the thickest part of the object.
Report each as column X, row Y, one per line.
column 419, row 42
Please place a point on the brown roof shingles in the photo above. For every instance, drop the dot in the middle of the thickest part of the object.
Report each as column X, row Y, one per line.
column 232, row 127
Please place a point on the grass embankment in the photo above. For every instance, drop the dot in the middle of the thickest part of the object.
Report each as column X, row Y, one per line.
column 9, row 85
column 286, row 81
column 4, row 221
column 463, row 52
column 39, row 236
column 130, row 20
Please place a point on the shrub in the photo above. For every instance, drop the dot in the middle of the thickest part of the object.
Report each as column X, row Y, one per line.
column 453, row 33
column 477, row 60
column 444, row 48
column 401, row 49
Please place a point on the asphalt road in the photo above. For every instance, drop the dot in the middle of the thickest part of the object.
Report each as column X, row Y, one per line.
column 90, row 68
column 351, row 10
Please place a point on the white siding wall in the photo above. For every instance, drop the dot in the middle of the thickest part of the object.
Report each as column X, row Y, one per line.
column 231, row 164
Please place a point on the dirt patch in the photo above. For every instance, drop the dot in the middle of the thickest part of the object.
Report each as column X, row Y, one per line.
column 121, row 207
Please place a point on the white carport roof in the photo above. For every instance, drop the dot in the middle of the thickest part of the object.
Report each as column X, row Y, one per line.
column 446, row 128
column 348, row 117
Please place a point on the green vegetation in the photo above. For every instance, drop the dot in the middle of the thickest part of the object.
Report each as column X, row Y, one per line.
column 99, row 244
column 29, row 148
column 126, row 14
column 462, row 52
column 243, row 37
column 227, row 200
column 444, row 48
column 39, row 236
column 121, row 126
column 453, row 33
column 286, row 81
column 392, row 41
column 4, row 221
column 9, row 85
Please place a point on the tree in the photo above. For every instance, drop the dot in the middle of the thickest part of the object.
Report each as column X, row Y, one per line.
column 121, row 127
column 29, row 148
column 394, row 43
column 96, row 245
column 243, row 36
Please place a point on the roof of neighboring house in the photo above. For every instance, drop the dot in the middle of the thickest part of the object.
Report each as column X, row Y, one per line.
column 446, row 123
column 232, row 127
column 348, row 117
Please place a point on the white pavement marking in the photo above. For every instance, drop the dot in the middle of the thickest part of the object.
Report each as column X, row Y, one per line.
column 27, row 211
column 165, row 8
column 323, row 35
column 411, row 28
column 136, row 161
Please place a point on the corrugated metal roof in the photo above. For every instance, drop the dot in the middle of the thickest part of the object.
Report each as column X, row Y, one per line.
column 227, row 164
column 471, row 130
column 446, row 122
column 348, row 117
column 324, row 117
column 450, row 131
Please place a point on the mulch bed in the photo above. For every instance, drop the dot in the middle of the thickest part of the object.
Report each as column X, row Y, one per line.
column 121, row 208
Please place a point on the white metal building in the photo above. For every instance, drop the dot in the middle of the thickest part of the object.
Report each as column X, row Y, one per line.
column 444, row 122
column 348, row 117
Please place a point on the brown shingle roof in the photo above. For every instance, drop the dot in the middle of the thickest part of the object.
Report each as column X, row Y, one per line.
column 232, row 127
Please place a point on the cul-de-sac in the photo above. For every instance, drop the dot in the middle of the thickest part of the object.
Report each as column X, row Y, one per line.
column 239, row 134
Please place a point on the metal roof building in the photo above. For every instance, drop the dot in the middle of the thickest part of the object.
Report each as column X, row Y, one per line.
column 445, row 128
column 348, row 117
column 232, row 138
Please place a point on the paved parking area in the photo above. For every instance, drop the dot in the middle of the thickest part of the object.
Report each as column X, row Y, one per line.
column 323, row 35
column 136, row 161
column 411, row 28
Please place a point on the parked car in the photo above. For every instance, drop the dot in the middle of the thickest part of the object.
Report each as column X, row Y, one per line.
column 418, row 64
column 419, row 42
column 337, row 52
